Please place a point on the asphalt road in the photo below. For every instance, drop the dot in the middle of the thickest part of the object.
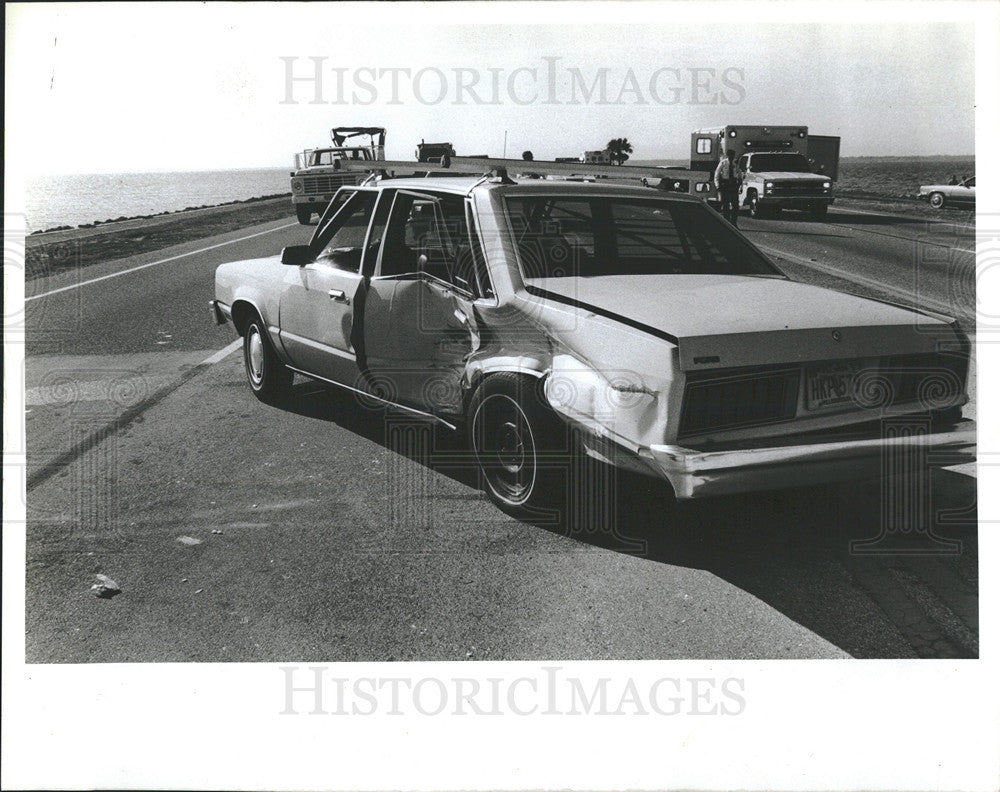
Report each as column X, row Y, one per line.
column 328, row 531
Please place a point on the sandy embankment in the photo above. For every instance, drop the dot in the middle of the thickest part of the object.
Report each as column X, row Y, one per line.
column 46, row 253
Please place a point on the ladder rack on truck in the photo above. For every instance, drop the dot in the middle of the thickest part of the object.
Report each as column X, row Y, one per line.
column 478, row 166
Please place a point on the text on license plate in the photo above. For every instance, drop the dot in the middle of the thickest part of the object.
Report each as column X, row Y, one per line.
column 830, row 384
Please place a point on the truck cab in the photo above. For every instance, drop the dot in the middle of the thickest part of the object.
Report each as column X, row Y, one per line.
column 776, row 180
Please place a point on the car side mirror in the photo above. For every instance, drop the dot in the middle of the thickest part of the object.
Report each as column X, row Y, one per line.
column 296, row 255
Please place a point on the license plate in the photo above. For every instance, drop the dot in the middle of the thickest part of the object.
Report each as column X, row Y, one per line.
column 833, row 383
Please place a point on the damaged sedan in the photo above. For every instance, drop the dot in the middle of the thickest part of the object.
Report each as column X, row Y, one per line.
column 639, row 322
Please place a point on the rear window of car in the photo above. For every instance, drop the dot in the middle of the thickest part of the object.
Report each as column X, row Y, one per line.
column 573, row 236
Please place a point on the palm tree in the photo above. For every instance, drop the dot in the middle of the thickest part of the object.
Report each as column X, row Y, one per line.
column 620, row 148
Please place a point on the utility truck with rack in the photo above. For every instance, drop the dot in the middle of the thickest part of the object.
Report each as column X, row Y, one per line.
column 318, row 175
column 784, row 167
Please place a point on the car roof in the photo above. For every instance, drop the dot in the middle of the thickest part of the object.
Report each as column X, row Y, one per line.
column 463, row 185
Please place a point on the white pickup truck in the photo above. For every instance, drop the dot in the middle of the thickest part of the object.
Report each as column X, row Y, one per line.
column 778, row 180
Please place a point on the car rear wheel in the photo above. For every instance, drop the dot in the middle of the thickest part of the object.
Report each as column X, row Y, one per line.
column 937, row 200
column 303, row 213
column 269, row 380
column 519, row 443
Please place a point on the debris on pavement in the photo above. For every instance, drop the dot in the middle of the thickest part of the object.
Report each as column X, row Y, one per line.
column 105, row 588
column 188, row 540
column 216, row 531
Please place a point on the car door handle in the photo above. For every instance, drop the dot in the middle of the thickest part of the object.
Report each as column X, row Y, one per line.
column 338, row 296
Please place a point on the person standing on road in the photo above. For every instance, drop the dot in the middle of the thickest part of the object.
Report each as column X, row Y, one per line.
column 727, row 182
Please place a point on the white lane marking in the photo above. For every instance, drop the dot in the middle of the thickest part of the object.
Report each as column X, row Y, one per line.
column 154, row 263
column 930, row 302
column 223, row 353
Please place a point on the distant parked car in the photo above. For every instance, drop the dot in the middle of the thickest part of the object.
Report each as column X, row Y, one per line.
column 941, row 195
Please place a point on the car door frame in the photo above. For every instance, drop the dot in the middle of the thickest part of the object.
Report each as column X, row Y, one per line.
column 390, row 377
column 317, row 314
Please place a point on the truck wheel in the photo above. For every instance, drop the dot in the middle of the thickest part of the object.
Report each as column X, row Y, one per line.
column 756, row 210
column 269, row 380
column 819, row 212
column 519, row 442
column 303, row 213
column 937, row 200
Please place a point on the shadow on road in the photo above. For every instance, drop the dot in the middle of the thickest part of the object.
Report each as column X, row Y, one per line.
column 876, row 219
column 880, row 569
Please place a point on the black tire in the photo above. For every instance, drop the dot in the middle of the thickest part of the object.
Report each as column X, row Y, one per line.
column 520, row 445
column 937, row 200
column 819, row 212
column 269, row 380
column 756, row 210
column 303, row 213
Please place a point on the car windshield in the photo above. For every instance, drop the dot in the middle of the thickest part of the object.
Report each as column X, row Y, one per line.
column 795, row 163
column 327, row 156
column 581, row 236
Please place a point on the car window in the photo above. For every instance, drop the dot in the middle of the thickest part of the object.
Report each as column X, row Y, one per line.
column 572, row 237
column 743, row 162
column 481, row 284
column 554, row 237
column 970, row 182
column 332, row 208
column 796, row 163
column 343, row 239
column 429, row 234
column 377, row 233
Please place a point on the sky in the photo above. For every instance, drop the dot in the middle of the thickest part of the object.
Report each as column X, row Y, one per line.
column 96, row 88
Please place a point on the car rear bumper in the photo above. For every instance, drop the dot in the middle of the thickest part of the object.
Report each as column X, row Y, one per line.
column 696, row 474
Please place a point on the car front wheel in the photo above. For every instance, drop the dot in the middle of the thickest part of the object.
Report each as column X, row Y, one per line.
column 519, row 443
column 269, row 380
column 937, row 200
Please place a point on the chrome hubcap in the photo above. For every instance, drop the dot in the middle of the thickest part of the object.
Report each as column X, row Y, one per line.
column 510, row 448
column 255, row 356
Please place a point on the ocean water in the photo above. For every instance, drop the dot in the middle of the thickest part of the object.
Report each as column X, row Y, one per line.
column 77, row 199
column 896, row 176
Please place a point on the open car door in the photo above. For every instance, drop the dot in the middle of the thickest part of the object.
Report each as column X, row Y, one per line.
column 320, row 299
column 419, row 323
